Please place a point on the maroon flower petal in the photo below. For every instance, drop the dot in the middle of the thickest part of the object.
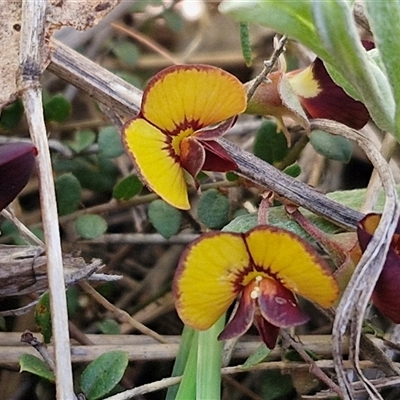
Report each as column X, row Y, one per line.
column 278, row 305
column 192, row 156
column 386, row 295
column 17, row 161
column 243, row 317
column 217, row 159
column 333, row 102
column 268, row 332
column 215, row 132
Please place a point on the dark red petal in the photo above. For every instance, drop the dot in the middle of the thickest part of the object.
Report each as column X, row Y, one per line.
column 192, row 156
column 211, row 133
column 243, row 318
column 17, row 161
column 333, row 102
column 278, row 305
column 217, row 159
column 268, row 332
column 386, row 295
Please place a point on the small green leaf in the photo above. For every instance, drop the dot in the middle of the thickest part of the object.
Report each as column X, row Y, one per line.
column 277, row 217
column 90, row 226
column 231, row 176
column 68, row 192
column 245, row 43
column 7, row 228
column 213, row 209
column 269, row 144
column 127, row 52
column 174, row 20
column 43, row 317
column 103, row 374
column 293, row 170
column 275, row 385
column 36, row 366
column 57, row 109
column 82, row 140
column 128, row 188
column 109, row 327
column 93, row 172
column 165, row 218
column 11, row 115
column 261, row 353
column 331, row 146
column 73, row 304
column 110, row 144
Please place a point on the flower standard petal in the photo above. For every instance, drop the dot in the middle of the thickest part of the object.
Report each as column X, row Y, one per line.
column 199, row 95
column 156, row 162
column 292, row 261
column 205, row 283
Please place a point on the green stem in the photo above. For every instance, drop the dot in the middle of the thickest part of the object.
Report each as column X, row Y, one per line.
column 187, row 387
column 209, row 363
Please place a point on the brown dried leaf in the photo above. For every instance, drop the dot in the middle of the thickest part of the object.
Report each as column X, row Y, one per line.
column 78, row 14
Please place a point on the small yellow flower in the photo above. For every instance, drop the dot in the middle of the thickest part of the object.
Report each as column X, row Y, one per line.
column 184, row 109
column 267, row 267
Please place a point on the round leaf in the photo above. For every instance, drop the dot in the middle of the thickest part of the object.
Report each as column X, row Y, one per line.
column 90, row 226
column 174, row 20
column 127, row 188
column 11, row 115
column 293, row 170
column 110, row 144
column 103, row 374
column 165, row 218
column 36, row 366
column 57, row 109
column 68, row 192
column 82, row 140
column 109, row 327
column 331, row 146
column 213, row 209
column 127, row 52
column 95, row 173
column 269, row 144
column 43, row 317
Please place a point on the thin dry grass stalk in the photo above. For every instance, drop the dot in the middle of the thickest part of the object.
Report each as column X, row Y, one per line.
column 32, row 43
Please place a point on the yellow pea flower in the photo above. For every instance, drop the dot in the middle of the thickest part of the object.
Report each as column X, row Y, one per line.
column 184, row 109
column 266, row 267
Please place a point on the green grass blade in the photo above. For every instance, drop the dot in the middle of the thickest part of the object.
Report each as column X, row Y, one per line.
column 209, row 363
